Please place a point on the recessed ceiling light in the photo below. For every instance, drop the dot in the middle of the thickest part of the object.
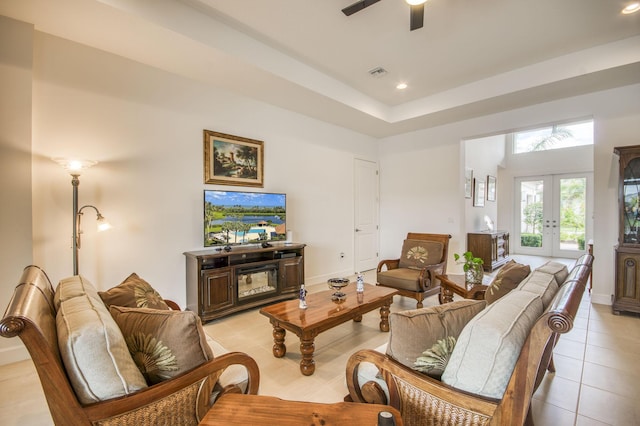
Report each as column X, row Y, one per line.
column 415, row 2
column 401, row 86
column 631, row 8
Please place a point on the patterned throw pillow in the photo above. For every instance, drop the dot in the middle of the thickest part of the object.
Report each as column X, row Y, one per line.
column 133, row 292
column 416, row 254
column 435, row 359
column 506, row 280
column 163, row 344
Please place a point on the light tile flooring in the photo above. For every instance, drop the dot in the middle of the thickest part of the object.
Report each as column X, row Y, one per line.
column 597, row 379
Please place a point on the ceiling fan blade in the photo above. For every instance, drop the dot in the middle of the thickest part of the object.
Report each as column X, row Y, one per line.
column 417, row 16
column 358, row 6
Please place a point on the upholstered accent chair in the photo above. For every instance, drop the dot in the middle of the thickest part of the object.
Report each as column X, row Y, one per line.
column 423, row 257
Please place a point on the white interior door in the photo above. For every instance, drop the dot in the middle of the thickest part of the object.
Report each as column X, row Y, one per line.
column 553, row 215
column 366, row 215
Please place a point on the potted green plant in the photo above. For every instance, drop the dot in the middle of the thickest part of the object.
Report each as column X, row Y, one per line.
column 472, row 267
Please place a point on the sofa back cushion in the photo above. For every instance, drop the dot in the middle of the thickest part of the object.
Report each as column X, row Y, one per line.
column 559, row 270
column 488, row 347
column 163, row 344
column 416, row 254
column 542, row 284
column 507, row 278
column 91, row 345
column 414, row 331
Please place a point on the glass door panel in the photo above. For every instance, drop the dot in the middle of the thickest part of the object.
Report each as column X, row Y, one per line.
column 533, row 230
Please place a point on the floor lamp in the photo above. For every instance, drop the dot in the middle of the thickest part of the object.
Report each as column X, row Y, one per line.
column 75, row 167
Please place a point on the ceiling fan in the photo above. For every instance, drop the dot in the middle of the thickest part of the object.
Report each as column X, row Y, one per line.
column 416, row 14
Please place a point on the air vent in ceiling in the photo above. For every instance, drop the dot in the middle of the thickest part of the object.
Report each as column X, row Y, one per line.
column 378, row 72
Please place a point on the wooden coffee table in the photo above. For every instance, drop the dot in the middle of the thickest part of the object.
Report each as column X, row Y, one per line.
column 455, row 283
column 237, row 409
column 323, row 314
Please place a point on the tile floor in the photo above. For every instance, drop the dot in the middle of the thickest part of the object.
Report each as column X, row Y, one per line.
column 597, row 379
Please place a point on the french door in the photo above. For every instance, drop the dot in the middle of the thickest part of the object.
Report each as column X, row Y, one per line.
column 553, row 215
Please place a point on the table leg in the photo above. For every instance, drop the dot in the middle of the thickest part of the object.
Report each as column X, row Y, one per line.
column 307, row 364
column 358, row 318
column 279, row 348
column 446, row 295
column 384, row 317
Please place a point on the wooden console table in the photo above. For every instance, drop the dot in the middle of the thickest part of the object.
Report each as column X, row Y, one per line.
column 236, row 409
column 222, row 282
column 323, row 314
column 491, row 246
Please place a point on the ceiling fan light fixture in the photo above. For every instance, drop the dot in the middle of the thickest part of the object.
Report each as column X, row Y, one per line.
column 415, row 2
column 631, row 8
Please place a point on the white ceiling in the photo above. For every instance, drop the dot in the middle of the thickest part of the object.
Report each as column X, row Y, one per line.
column 473, row 57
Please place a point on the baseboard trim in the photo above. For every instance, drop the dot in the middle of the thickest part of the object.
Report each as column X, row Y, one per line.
column 601, row 299
column 13, row 354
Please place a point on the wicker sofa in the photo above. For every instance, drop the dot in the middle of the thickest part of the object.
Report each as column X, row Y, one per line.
column 478, row 385
column 81, row 354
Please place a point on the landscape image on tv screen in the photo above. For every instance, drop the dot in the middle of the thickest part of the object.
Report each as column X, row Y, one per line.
column 235, row 217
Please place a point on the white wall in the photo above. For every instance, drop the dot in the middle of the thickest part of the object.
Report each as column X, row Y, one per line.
column 433, row 198
column 483, row 155
column 15, row 165
column 144, row 126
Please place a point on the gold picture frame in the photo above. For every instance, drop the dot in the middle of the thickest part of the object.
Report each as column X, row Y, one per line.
column 233, row 160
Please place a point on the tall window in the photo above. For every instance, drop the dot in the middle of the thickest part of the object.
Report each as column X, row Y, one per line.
column 554, row 137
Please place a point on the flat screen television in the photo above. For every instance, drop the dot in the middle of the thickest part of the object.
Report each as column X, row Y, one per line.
column 236, row 217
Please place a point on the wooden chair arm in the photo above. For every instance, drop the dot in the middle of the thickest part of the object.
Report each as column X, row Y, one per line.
column 419, row 397
column 428, row 276
column 162, row 392
column 389, row 264
column 173, row 305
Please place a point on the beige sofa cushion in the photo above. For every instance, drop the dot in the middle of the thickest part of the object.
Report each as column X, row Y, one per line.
column 416, row 254
column 92, row 347
column 507, row 278
column 134, row 292
column 163, row 344
column 402, row 278
column 541, row 283
column 559, row 270
column 414, row 331
column 74, row 286
column 233, row 375
column 488, row 347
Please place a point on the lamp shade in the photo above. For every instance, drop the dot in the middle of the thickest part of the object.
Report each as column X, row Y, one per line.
column 74, row 165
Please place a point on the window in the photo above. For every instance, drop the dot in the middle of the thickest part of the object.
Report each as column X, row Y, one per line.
column 554, row 137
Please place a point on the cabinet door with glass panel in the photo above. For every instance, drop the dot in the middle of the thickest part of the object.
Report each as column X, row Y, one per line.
column 629, row 195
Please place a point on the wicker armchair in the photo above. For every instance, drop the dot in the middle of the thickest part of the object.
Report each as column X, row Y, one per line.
column 412, row 275
column 182, row 400
column 425, row 401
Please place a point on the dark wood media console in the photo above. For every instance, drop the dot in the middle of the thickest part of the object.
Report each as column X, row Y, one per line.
column 222, row 282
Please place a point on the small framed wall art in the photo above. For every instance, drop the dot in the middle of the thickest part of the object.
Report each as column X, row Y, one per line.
column 491, row 188
column 233, row 160
column 468, row 182
column 478, row 193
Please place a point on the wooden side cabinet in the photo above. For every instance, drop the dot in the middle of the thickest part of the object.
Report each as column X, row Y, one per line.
column 491, row 246
column 627, row 286
column 627, row 293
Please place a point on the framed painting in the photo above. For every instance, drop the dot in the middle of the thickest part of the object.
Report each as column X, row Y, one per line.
column 491, row 188
column 233, row 160
column 468, row 182
column 478, row 193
